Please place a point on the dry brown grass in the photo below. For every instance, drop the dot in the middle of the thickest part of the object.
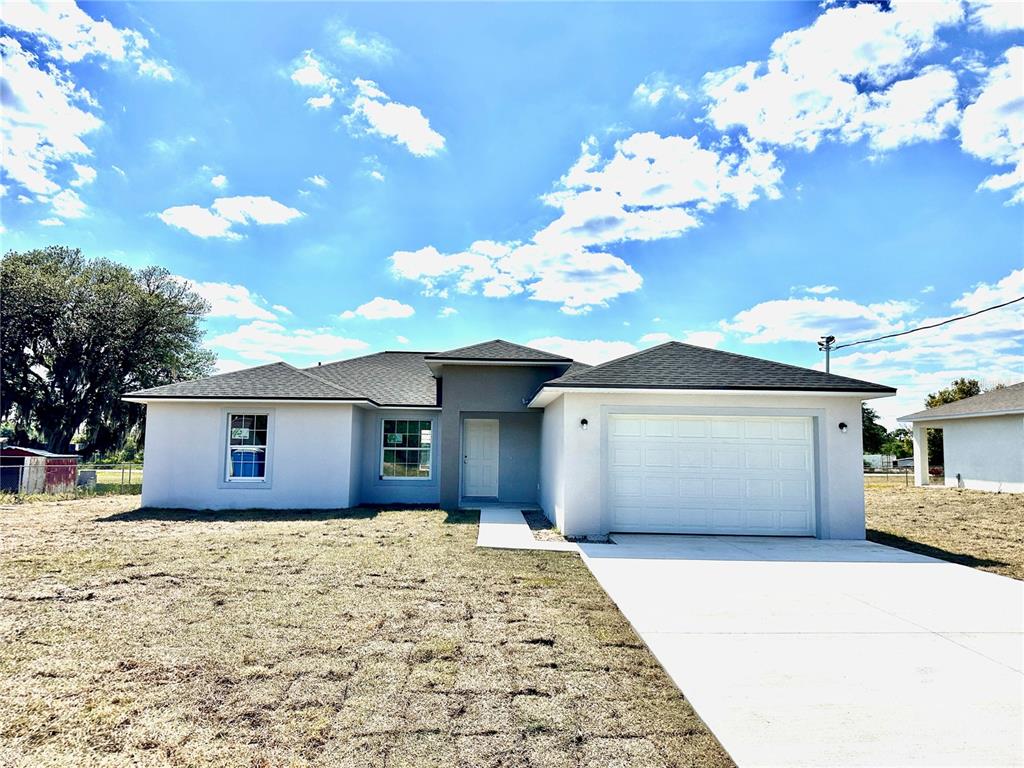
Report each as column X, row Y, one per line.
column 344, row 639
column 982, row 530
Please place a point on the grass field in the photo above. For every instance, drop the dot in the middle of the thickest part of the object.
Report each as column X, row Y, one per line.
column 982, row 530
column 366, row 638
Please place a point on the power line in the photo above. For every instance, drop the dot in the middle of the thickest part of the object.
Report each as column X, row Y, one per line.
column 933, row 325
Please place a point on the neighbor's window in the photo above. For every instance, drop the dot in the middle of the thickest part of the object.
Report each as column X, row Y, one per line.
column 405, row 448
column 247, row 446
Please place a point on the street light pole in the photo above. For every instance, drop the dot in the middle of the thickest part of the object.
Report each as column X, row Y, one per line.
column 825, row 345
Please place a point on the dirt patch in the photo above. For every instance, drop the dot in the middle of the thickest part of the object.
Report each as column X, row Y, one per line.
column 543, row 529
column 359, row 638
column 974, row 528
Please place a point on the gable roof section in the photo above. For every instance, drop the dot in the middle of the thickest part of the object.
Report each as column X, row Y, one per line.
column 385, row 378
column 997, row 402
column 498, row 351
column 275, row 381
column 675, row 365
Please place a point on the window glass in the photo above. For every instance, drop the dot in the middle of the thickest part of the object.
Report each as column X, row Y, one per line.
column 406, row 448
column 247, row 446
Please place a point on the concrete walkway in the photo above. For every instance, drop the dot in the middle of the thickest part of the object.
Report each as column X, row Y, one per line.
column 504, row 527
column 799, row 652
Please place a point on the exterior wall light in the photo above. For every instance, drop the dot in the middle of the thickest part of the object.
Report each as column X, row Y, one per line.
column 843, row 427
column 584, row 424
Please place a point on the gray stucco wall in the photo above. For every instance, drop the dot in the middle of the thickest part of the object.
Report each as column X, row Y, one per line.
column 481, row 391
column 375, row 490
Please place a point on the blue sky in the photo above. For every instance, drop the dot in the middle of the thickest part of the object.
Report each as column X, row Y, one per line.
column 341, row 179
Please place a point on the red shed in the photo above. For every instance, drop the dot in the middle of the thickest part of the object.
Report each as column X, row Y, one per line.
column 31, row 470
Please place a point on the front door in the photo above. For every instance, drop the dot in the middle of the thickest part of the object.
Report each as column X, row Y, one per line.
column 480, row 458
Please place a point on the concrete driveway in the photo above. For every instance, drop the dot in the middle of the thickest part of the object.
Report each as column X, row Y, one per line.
column 798, row 652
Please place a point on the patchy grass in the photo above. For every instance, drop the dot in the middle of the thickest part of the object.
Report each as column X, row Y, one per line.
column 350, row 638
column 981, row 530
column 543, row 529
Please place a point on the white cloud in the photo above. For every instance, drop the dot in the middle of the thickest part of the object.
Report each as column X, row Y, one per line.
column 376, row 175
column 309, row 72
column 374, row 112
column 592, row 351
column 320, row 102
column 996, row 15
column 447, row 312
column 71, row 35
column 282, row 309
column 45, row 118
column 993, row 125
column 401, row 339
column 218, row 219
column 805, row 319
column 379, row 308
column 227, row 365
column 655, row 338
column 655, row 89
column 833, row 79
column 67, row 204
column 371, row 47
column 318, row 180
column 652, row 187
column 84, row 175
column 710, row 339
column 928, row 289
column 986, row 295
column 815, row 289
column 228, row 300
column 219, row 181
column 262, row 340
column 119, row 171
column 51, row 222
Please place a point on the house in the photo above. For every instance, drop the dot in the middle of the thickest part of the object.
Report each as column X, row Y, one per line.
column 676, row 438
column 32, row 470
column 982, row 440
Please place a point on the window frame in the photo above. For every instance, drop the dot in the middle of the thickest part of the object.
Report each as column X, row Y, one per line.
column 226, row 480
column 381, row 448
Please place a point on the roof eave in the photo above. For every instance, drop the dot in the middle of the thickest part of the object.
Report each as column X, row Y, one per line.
column 925, row 416
column 550, row 392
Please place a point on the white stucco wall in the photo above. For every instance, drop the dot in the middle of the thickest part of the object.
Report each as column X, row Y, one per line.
column 839, row 480
column 552, row 460
column 987, row 452
column 310, row 450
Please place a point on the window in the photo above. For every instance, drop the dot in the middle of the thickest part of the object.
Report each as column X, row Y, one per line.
column 405, row 449
column 247, row 447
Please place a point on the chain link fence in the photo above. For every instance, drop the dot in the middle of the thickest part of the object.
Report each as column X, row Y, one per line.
column 68, row 479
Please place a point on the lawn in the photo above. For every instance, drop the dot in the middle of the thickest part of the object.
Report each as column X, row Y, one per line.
column 982, row 530
column 360, row 638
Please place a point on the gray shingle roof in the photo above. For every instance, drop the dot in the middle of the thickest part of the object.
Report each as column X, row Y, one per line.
column 276, row 381
column 993, row 403
column 386, row 378
column 499, row 350
column 682, row 366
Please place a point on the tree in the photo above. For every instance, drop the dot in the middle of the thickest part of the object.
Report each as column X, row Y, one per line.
column 899, row 443
column 78, row 333
column 873, row 433
column 959, row 390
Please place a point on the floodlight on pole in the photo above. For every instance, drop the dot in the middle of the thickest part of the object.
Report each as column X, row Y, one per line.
column 825, row 345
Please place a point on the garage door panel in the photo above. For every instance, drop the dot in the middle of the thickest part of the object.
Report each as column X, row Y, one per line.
column 726, row 457
column 660, row 456
column 711, row 474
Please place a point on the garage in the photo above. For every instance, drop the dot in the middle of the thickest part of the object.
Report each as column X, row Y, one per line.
column 711, row 474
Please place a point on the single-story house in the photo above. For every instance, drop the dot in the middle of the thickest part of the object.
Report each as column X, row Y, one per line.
column 676, row 439
column 982, row 440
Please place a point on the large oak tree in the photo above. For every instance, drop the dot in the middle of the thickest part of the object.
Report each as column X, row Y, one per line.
column 77, row 333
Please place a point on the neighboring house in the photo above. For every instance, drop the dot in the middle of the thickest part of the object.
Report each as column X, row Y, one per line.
column 675, row 438
column 982, row 440
column 905, row 463
column 879, row 461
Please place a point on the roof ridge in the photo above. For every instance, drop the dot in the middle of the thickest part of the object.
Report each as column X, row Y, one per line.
column 550, row 356
column 629, row 356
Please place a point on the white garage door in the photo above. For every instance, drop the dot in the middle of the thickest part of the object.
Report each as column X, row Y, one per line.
column 711, row 474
